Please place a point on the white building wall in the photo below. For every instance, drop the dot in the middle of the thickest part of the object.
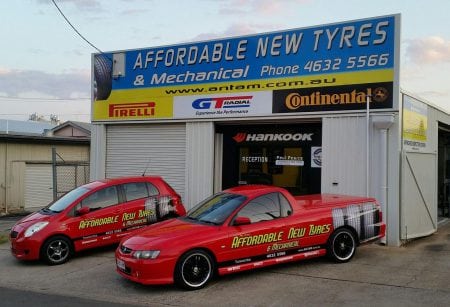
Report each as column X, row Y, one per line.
column 98, row 152
column 199, row 162
column 344, row 155
column 420, row 189
column 344, row 162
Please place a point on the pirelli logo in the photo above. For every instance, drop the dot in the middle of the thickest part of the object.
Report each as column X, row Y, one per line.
column 142, row 109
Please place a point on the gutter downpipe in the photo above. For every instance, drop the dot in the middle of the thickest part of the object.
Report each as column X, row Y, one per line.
column 367, row 144
column 383, row 123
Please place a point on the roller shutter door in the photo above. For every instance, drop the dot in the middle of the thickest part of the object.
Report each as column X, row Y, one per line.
column 38, row 186
column 161, row 149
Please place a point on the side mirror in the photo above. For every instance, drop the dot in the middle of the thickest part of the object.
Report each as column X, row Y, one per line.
column 241, row 220
column 83, row 211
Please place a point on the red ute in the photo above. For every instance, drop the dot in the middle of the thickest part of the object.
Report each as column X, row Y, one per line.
column 95, row 214
column 245, row 228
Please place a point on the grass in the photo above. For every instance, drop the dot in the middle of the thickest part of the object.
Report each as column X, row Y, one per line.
column 3, row 238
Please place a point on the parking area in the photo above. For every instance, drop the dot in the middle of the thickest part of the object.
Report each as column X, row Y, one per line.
column 415, row 275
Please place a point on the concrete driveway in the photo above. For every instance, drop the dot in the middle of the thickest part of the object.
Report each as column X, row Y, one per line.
column 415, row 275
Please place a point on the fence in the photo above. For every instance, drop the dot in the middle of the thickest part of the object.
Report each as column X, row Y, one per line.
column 67, row 175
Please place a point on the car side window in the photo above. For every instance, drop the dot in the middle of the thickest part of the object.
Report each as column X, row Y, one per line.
column 286, row 208
column 135, row 190
column 262, row 208
column 152, row 190
column 102, row 198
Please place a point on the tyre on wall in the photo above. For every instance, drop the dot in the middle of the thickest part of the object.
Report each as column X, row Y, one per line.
column 342, row 245
column 56, row 250
column 102, row 77
column 194, row 269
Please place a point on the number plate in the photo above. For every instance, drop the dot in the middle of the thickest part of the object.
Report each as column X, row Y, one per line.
column 121, row 264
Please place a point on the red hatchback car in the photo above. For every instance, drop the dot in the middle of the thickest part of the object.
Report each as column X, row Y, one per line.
column 95, row 214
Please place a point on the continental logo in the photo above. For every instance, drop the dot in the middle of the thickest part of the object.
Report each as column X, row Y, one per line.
column 142, row 109
column 296, row 101
column 272, row 137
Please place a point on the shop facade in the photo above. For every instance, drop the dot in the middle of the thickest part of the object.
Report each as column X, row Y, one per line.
column 313, row 110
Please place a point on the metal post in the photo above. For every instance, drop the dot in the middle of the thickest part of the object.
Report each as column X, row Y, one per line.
column 55, row 181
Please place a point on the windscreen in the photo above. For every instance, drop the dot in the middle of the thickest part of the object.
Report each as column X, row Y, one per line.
column 216, row 209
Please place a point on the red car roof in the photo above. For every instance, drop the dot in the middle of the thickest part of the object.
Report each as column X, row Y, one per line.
column 253, row 190
column 119, row 180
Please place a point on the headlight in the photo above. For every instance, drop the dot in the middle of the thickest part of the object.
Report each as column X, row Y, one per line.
column 35, row 228
column 146, row 254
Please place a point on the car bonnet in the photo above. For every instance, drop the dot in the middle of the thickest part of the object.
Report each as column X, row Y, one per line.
column 163, row 233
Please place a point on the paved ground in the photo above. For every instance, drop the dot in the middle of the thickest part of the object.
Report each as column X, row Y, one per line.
column 415, row 275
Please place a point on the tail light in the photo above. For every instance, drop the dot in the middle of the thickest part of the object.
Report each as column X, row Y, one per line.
column 164, row 206
column 178, row 205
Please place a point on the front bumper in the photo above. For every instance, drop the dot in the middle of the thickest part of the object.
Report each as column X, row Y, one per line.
column 24, row 248
column 145, row 271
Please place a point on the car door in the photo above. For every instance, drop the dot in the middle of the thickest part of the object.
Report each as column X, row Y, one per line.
column 138, row 209
column 101, row 216
column 259, row 239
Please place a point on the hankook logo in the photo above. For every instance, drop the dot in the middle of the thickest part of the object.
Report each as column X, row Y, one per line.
column 295, row 101
column 272, row 137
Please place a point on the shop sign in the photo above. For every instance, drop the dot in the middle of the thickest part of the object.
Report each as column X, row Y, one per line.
column 353, row 52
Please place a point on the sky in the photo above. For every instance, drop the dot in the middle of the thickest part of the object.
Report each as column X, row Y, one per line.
column 45, row 66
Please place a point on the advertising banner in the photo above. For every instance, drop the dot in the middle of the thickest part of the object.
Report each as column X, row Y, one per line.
column 347, row 53
column 415, row 124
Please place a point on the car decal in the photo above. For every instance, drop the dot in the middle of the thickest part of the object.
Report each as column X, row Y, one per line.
column 275, row 254
column 364, row 218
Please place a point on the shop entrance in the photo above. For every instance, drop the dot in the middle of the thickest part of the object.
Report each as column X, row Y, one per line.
column 287, row 156
column 444, row 172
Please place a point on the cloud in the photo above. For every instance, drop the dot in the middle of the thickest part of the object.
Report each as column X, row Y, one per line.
column 79, row 4
column 429, row 50
column 263, row 7
column 73, row 84
column 237, row 29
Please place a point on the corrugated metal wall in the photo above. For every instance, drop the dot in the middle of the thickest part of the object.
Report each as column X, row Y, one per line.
column 130, row 149
column 419, row 193
column 199, row 161
column 38, row 186
column 13, row 158
column 344, row 155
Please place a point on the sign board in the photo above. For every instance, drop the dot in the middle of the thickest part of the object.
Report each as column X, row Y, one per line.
column 415, row 124
column 322, row 68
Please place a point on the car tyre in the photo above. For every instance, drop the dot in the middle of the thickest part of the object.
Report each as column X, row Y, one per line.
column 102, row 76
column 342, row 245
column 56, row 250
column 194, row 270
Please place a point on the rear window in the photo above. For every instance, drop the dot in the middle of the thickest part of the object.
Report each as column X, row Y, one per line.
column 138, row 190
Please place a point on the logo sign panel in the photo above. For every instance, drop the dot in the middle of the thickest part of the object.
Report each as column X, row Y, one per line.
column 316, row 156
column 231, row 105
column 333, row 98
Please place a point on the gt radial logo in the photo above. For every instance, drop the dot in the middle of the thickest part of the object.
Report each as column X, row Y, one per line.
column 272, row 137
column 222, row 102
column 143, row 109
